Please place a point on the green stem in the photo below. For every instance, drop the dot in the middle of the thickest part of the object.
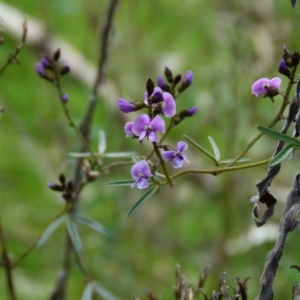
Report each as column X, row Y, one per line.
column 162, row 162
column 217, row 171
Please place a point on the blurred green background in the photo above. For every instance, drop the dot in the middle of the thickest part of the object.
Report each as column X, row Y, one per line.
column 204, row 220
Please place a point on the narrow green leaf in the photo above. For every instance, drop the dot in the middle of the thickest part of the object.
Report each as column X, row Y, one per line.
column 215, row 148
column 207, row 153
column 118, row 154
column 128, row 182
column 74, row 234
column 283, row 154
column 228, row 161
column 136, row 158
column 49, row 230
column 105, row 294
column 278, row 136
column 83, row 154
column 143, row 199
column 88, row 291
column 92, row 224
column 102, row 142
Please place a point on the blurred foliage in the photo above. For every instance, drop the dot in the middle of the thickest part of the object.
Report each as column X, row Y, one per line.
column 227, row 44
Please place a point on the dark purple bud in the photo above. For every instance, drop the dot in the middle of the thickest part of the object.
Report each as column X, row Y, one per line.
column 40, row 69
column 127, row 107
column 46, row 62
column 169, row 75
column 295, row 59
column 56, row 55
column 177, row 79
column 287, row 57
column 55, row 187
column 162, row 84
column 65, row 98
column 70, row 186
column 186, row 82
column 149, row 87
column 62, row 179
column 157, row 96
column 64, row 70
column 283, row 68
column 191, row 111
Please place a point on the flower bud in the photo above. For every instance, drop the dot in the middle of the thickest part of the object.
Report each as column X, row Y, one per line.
column 47, row 64
column 40, row 69
column 287, row 57
column 56, row 55
column 283, row 68
column 169, row 75
column 64, row 70
column 127, row 107
column 149, row 87
column 295, row 59
column 65, row 98
column 162, row 84
column 177, row 79
column 55, row 187
column 187, row 81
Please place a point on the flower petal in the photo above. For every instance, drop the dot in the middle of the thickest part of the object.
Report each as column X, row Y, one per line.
column 181, row 146
column 128, row 128
column 168, row 155
column 275, row 83
column 169, row 107
column 258, row 86
column 139, row 124
column 158, row 124
column 152, row 136
column 125, row 106
column 143, row 183
column 177, row 162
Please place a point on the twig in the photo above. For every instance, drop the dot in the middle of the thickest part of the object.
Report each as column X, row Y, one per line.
column 85, row 126
column 14, row 56
column 6, row 264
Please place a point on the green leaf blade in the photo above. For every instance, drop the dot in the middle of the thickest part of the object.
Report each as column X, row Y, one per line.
column 74, row 234
column 215, row 148
column 92, row 224
column 203, row 150
column 88, row 292
column 128, row 182
column 278, row 135
column 282, row 155
column 143, row 199
column 50, row 230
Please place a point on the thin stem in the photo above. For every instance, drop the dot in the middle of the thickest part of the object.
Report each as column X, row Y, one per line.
column 162, row 162
column 277, row 118
column 217, row 171
column 7, row 266
column 32, row 246
column 14, row 56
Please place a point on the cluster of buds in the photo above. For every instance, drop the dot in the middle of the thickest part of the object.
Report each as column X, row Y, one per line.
column 289, row 62
column 66, row 187
column 46, row 68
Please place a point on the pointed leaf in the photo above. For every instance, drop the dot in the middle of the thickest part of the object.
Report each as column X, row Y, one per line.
column 102, row 142
column 283, row 154
column 207, row 153
column 228, row 161
column 92, row 224
column 215, row 148
column 136, row 158
column 279, row 136
column 50, row 229
column 128, row 182
column 83, row 154
column 143, row 199
column 74, row 234
column 88, row 292
column 105, row 294
column 118, row 154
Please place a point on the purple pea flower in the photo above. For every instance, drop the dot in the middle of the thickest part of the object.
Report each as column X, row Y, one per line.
column 186, row 82
column 143, row 126
column 168, row 105
column 267, row 87
column 176, row 156
column 162, row 84
column 141, row 173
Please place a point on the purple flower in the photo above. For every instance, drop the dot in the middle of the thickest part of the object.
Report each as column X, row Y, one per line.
column 266, row 87
column 65, row 98
column 126, row 106
column 46, row 63
column 141, row 173
column 176, row 156
column 65, row 70
column 191, row 111
column 156, row 96
column 128, row 129
column 162, row 84
column 143, row 126
column 40, row 69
